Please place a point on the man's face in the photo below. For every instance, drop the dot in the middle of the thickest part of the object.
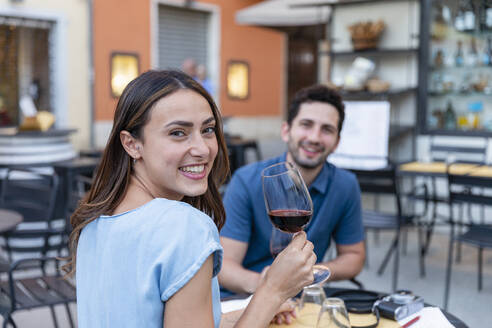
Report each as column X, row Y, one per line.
column 312, row 135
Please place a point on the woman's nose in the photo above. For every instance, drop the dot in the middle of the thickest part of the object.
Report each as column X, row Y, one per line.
column 199, row 147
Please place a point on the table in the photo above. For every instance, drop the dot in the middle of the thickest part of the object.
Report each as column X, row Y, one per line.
column 67, row 171
column 435, row 169
column 9, row 219
column 365, row 319
column 237, row 148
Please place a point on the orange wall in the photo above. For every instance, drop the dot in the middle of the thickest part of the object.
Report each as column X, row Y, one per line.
column 119, row 26
column 124, row 25
column 263, row 49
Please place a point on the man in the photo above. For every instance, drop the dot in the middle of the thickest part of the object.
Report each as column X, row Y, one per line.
column 312, row 132
column 188, row 66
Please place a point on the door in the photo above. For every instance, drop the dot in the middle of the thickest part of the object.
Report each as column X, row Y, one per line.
column 303, row 65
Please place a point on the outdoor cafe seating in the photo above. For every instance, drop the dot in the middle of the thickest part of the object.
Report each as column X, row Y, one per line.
column 385, row 183
column 440, row 154
column 469, row 190
column 32, row 278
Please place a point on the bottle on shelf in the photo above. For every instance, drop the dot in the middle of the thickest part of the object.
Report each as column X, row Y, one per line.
column 472, row 56
column 450, row 117
column 459, row 20
column 439, row 24
column 439, row 58
column 486, row 15
column 458, row 57
column 468, row 15
column 475, row 109
column 488, row 52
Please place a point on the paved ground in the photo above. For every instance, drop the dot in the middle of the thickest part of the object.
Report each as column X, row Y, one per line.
column 466, row 302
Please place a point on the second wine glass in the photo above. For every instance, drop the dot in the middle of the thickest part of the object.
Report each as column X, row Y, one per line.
column 289, row 207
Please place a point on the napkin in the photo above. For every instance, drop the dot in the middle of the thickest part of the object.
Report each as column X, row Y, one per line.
column 233, row 305
column 430, row 317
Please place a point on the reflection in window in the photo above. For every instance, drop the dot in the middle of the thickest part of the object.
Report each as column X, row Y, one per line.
column 24, row 66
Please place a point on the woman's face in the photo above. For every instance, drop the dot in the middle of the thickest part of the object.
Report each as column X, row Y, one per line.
column 179, row 146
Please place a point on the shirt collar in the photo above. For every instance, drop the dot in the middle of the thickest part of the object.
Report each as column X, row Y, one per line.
column 322, row 180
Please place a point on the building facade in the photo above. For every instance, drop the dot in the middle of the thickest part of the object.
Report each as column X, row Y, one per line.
column 162, row 33
column 44, row 54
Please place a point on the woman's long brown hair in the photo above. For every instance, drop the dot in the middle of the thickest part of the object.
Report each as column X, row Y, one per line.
column 114, row 171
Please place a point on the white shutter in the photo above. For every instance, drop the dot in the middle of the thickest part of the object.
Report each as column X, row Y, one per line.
column 183, row 34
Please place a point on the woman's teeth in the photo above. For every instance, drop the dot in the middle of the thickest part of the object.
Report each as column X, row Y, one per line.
column 193, row 169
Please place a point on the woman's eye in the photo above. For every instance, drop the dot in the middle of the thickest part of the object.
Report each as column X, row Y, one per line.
column 210, row 129
column 177, row 133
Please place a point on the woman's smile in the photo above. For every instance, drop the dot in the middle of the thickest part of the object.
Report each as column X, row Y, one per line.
column 195, row 172
column 179, row 146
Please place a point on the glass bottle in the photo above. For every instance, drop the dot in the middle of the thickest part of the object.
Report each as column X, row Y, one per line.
column 486, row 15
column 468, row 16
column 459, row 20
column 488, row 50
column 458, row 58
column 472, row 57
column 474, row 109
column 450, row 117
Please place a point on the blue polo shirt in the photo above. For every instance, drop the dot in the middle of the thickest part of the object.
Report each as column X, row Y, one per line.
column 337, row 211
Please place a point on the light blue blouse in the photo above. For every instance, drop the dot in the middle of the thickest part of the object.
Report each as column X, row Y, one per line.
column 130, row 264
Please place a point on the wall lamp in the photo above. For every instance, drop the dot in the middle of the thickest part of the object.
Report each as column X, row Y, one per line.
column 238, row 79
column 124, row 68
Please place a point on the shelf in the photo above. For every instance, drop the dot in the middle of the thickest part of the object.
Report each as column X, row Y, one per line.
column 371, row 52
column 458, row 94
column 474, row 33
column 443, row 68
column 353, row 95
column 467, row 133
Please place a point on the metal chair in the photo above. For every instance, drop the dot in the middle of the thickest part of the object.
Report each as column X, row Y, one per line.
column 385, row 183
column 30, row 245
column 471, row 191
column 448, row 153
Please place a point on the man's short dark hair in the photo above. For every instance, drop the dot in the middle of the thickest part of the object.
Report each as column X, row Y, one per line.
column 320, row 93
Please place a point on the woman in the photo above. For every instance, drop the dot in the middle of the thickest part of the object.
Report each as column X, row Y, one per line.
column 145, row 243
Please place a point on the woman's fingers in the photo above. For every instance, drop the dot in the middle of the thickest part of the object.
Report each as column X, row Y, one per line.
column 298, row 241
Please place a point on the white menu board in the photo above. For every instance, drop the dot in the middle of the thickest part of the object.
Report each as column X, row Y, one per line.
column 364, row 138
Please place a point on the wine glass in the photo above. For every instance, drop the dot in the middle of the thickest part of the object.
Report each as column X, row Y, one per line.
column 309, row 305
column 289, row 207
column 333, row 314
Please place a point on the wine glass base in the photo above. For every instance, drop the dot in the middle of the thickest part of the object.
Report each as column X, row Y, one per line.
column 321, row 274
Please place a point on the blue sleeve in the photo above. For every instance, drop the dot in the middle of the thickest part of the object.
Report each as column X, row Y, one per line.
column 350, row 229
column 196, row 238
column 239, row 210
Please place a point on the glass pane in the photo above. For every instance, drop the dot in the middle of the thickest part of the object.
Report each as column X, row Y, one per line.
column 460, row 66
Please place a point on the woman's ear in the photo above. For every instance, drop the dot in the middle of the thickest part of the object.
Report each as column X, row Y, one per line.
column 131, row 145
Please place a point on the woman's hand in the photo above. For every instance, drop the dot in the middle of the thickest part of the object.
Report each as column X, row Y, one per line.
column 292, row 269
column 286, row 313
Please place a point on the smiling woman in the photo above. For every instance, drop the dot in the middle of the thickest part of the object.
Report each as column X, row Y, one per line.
column 145, row 242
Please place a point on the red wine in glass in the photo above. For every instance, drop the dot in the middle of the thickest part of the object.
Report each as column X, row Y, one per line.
column 289, row 207
column 290, row 220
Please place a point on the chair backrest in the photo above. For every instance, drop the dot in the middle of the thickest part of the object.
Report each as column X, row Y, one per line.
column 32, row 194
column 380, row 182
column 469, row 189
column 474, row 154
